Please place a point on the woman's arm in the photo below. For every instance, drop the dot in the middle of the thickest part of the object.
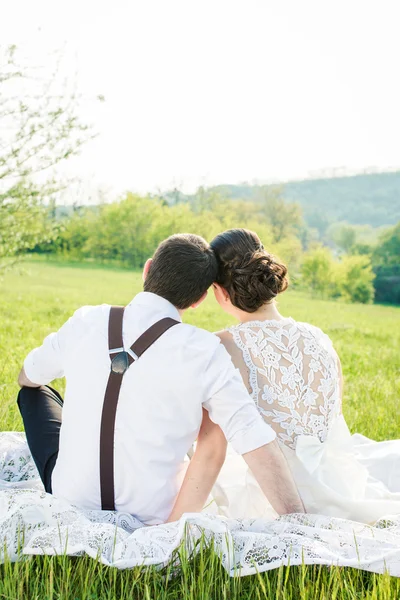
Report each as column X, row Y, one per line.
column 202, row 471
column 273, row 475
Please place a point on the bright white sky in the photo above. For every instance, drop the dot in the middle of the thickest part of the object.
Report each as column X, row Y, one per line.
column 223, row 91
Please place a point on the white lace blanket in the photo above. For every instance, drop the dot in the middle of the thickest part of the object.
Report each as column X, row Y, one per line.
column 51, row 526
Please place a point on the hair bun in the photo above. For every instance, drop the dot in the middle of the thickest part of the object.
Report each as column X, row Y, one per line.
column 256, row 280
column 251, row 276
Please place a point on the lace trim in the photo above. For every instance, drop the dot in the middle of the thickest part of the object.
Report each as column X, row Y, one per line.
column 253, row 380
column 262, row 322
column 299, row 366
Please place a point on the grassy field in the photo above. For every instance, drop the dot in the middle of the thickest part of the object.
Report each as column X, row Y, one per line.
column 39, row 297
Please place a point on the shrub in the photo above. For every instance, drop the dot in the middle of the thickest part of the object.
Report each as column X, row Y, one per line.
column 350, row 278
column 387, row 251
column 317, row 270
column 354, row 279
column 387, row 284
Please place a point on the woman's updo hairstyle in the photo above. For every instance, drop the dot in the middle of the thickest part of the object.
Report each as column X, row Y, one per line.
column 251, row 276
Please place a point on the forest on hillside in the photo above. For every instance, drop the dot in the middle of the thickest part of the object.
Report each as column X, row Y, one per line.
column 365, row 199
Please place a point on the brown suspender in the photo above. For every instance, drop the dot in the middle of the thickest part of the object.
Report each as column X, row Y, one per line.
column 120, row 362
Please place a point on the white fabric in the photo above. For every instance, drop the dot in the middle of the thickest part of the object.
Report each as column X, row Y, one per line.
column 32, row 522
column 293, row 375
column 159, row 411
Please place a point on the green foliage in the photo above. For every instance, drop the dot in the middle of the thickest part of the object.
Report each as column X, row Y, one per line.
column 387, row 251
column 362, row 249
column 318, row 219
column 344, row 236
column 317, row 270
column 387, row 283
column 353, row 277
column 23, row 222
column 386, row 259
column 285, row 218
column 350, row 278
column 129, row 231
column 39, row 130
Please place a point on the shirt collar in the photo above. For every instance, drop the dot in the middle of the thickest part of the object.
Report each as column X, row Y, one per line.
column 157, row 303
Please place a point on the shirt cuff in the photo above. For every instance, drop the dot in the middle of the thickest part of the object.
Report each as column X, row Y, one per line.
column 29, row 368
column 252, row 437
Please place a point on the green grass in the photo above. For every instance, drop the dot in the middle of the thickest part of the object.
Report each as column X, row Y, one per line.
column 39, row 297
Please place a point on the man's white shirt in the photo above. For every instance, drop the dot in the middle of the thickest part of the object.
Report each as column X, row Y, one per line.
column 159, row 410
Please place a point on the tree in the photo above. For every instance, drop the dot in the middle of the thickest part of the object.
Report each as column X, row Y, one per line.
column 386, row 259
column 351, row 278
column 40, row 128
column 361, row 249
column 344, row 236
column 285, row 218
column 388, row 249
column 317, row 270
column 318, row 220
column 354, row 279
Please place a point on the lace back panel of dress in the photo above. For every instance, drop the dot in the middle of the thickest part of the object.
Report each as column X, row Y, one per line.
column 293, row 376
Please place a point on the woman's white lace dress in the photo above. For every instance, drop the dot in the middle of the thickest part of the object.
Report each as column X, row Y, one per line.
column 350, row 485
column 292, row 372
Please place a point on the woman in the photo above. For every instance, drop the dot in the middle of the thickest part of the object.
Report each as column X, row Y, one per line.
column 294, row 376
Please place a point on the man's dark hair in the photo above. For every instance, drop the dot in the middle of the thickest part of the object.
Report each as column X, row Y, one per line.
column 183, row 268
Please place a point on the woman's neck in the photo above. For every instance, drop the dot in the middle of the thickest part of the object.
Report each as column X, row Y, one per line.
column 268, row 312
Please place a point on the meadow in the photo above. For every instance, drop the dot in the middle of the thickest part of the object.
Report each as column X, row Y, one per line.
column 38, row 296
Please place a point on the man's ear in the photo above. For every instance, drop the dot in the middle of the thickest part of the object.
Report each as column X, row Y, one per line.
column 196, row 304
column 146, row 268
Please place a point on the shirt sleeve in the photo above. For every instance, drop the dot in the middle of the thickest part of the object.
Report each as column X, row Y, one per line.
column 231, row 407
column 47, row 362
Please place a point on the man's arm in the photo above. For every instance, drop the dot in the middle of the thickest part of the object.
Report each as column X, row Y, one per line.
column 271, row 470
column 23, row 380
column 202, row 471
column 45, row 363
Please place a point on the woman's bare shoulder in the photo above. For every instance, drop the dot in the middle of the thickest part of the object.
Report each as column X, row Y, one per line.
column 226, row 338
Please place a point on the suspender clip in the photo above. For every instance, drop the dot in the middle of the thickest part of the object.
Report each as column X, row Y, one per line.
column 120, row 363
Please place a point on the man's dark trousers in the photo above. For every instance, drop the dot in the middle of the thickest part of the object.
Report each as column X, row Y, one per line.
column 41, row 411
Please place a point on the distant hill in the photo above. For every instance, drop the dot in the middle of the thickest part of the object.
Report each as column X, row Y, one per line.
column 367, row 199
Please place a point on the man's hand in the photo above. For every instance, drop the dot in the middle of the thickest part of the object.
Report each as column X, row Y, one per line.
column 23, row 381
column 203, row 470
column 270, row 468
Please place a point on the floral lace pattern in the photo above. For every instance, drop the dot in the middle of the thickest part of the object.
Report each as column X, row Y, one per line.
column 33, row 522
column 293, row 376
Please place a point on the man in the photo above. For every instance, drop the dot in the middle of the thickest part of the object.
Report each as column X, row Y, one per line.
column 185, row 375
